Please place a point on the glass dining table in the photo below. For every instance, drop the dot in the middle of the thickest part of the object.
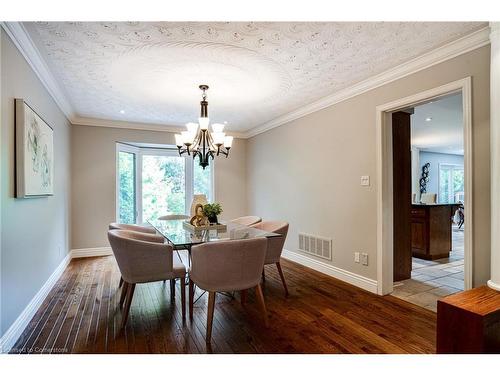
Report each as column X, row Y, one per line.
column 182, row 238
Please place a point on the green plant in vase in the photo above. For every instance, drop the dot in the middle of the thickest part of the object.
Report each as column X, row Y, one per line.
column 211, row 211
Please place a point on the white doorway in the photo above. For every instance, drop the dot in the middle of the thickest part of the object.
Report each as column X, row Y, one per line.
column 384, row 178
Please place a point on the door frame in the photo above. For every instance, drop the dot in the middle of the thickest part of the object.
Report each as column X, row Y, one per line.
column 384, row 178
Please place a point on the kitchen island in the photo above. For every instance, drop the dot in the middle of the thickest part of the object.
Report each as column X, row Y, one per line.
column 431, row 230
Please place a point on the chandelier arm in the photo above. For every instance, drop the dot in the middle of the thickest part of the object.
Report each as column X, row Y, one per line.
column 181, row 151
column 224, row 151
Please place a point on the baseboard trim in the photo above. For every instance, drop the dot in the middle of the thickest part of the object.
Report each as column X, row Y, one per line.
column 10, row 337
column 339, row 273
column 91, row 252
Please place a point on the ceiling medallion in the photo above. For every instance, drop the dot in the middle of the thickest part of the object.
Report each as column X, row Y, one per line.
column 198, row 141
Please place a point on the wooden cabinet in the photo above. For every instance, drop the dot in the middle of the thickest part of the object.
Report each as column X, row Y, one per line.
column 469, row 322
column 431, row 230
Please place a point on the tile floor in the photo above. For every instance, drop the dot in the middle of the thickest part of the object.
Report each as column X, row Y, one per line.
column 432, row 280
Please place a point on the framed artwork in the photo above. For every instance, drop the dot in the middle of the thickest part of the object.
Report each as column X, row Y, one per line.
column 34, row 153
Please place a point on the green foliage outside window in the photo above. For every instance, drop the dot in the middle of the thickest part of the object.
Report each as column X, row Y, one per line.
column 163, row 185
column 126, row 175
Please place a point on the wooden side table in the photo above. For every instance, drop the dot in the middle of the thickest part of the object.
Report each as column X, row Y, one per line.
column 469, row 322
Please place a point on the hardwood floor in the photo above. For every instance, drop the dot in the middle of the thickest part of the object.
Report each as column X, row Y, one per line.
column 321, row 315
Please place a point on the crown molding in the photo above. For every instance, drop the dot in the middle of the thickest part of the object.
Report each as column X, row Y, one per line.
column 448, row 51
column 89, row 121
column 25, row 45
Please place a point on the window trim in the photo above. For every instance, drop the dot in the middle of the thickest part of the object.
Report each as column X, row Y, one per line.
column 139, row 153
column 120, row 147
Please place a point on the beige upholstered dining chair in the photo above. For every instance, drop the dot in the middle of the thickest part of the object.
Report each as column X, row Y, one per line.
column 227, row 266
column 247, row 220
column 149, row 237
column 141, row 261
column 133, row 227
column 183, row 255
column 275, row 245
column 428, row 198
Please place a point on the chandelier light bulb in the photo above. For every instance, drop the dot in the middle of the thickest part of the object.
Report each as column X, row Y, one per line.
column 218, row 138
column 187, row 138
column 203, row 121
column 228, row 141
column 217, row 128
column 192, row 127
column 178, row 140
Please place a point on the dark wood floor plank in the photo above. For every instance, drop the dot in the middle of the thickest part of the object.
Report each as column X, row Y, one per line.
column 75, row 297
column 321, row 315
column 90, row 268
column 81, row 339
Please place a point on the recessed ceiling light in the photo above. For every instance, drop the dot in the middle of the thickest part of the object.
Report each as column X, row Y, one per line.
column 122, row 111
column 428, row 119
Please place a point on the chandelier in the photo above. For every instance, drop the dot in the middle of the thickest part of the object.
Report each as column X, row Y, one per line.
column 197, row 140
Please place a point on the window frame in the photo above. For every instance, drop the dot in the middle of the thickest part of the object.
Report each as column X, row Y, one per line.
column 167, row 151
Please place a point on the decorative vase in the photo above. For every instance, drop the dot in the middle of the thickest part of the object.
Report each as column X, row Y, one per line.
column 198, row 199
column 213, row 219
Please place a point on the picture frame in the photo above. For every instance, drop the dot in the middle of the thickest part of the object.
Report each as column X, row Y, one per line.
column 34, row 153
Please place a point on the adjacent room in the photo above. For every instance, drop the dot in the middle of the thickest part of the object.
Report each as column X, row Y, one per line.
column 249, row 187
column 437, row 217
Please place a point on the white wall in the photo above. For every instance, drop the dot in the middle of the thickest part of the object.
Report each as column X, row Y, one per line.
column 308, row 171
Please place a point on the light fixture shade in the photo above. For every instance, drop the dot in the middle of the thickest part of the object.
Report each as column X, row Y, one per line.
column 203, row 121
column 218, row 138
column 217, row 128
column 228, row 141
column 192, row 127
column 178, row 140
column 187, row 137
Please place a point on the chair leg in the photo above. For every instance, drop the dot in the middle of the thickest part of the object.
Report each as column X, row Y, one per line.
column 282, row 278
column 191, row 299
column 124, row 293
column 243, row 296
column 210, row 315
column 172, row 290
column 121, row 282
column 183, row 297
column 260, row 299
column 128, row 302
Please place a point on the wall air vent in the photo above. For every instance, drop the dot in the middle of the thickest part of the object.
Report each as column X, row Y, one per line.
column 315, row 245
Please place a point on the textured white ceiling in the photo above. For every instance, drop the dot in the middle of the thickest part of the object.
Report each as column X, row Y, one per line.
column 256, row 71
column 445, row 132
